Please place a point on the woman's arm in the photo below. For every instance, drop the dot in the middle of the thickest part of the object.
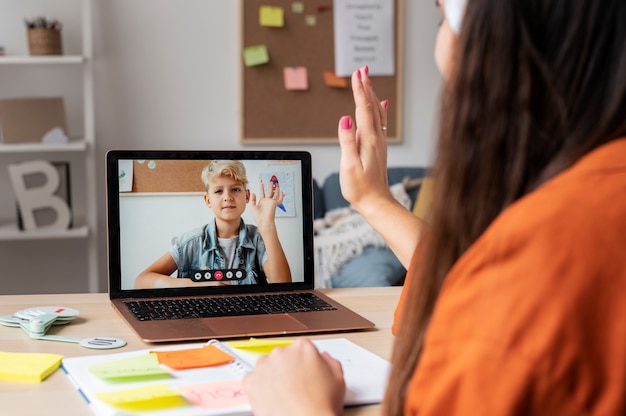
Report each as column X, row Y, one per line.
column 363, row 170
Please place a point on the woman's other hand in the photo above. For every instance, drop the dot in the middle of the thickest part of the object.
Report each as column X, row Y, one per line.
column 296, row 380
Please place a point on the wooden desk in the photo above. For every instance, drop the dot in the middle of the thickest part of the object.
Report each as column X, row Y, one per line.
column 57, row 396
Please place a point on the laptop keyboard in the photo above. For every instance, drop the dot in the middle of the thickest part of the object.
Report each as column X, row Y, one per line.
column 162, row 309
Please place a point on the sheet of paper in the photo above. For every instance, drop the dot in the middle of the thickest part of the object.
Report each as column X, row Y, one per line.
column 144, row 399
column 255, row 55
column 271, row 16
column 364, row 35
column 207, row 356
column 218, row 395
column 26, row 366
column 143, row 367
column 296, row 78
column 125, row 175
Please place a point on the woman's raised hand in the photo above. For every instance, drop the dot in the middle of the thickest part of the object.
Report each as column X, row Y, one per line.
column 363, row 141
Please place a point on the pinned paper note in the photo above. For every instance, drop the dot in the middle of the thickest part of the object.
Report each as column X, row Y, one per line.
column 271, row 16
column 143, row 367
column 27, row 366
column 207, row 356
column 255, row 55
column 297, row 7
column 143, row 399
column 332, row 80
column 310, row 20
column 259, row 346
column 296, row 78
column 218, row 395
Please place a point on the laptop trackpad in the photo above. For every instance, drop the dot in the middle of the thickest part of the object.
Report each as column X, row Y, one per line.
column 255, row 324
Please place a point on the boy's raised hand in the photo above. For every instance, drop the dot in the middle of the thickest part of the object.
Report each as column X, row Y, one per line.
column 264, row 210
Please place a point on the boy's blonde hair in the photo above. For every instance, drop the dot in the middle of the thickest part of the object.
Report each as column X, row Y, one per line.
column 232, row 168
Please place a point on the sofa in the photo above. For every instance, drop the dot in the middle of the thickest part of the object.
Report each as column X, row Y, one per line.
column 371, row 265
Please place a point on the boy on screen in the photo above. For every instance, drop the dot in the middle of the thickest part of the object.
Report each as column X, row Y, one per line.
column 226, row 250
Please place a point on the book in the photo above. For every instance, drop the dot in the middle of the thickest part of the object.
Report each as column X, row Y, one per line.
column 205, row 379
column 27, row 366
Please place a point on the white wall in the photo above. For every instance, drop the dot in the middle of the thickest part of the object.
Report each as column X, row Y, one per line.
column 166, row 76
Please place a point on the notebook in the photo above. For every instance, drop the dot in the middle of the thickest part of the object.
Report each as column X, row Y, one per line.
column 204, row 379
column 158, row 208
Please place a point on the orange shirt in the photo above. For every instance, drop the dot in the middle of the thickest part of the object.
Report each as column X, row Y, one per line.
column 532, row 318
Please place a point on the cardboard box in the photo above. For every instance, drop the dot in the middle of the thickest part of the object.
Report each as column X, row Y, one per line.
column 26, row 120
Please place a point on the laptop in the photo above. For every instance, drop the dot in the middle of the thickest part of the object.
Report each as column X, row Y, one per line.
column 156, row 211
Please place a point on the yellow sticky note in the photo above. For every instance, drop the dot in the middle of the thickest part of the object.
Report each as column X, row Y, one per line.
column 143, row 399
column 271, row 16
column 296, row 78
column 27, row 366
column 144, row 367
column 206, row 356
column 255, row 55
column 259, row 346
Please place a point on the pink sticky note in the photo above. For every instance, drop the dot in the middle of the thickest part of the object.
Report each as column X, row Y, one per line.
column 217, row 395
column 296, row 78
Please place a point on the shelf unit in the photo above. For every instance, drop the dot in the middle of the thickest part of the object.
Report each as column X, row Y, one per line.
column 84, row 228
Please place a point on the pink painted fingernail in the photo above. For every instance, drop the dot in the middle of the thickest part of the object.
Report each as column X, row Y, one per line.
column 386, row 104
column 346, row 122
column 358, row 74
column 367, row 70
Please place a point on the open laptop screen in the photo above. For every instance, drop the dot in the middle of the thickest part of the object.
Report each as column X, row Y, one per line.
column 245, row 224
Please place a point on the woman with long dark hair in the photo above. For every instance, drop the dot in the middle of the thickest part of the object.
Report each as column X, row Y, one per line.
column 514, row 297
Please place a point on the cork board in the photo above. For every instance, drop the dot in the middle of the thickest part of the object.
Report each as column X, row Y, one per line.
column 168, row 175
column 272, row 114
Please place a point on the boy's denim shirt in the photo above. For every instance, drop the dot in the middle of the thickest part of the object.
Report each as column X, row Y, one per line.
column 197, row 250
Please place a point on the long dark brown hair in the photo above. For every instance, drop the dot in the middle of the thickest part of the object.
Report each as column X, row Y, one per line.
column 536, row 85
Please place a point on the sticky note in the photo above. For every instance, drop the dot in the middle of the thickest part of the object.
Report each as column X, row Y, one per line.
column 297, row 7
column 310, row 20
column 255, row 55
column 144, row 367
column 296, row 78
column 27, row 366
column 207, row 356
column 217, row 395
column 143, row 399
column 271, row 16
column 259, row 346
column 332, row 80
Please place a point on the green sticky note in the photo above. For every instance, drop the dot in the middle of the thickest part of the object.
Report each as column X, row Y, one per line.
column 144, row 399
column 144, row 367
column 271, row 16
column 255, row 55
column 310, row 20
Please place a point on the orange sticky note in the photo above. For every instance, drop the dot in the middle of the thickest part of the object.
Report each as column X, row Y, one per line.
column 219, row 395
column 271, row 16
column 333, row 80
column 207, row 356
column 296, row 78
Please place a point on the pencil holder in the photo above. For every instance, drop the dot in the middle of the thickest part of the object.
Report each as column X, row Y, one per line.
column 44, row 42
